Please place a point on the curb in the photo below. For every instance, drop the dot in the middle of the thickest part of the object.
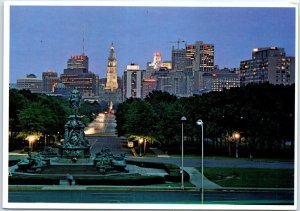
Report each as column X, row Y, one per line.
column 138, row 188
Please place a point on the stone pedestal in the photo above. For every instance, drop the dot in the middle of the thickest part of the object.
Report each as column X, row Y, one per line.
column 75, row 144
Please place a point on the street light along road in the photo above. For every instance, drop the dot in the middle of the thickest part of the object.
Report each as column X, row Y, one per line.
column 236, row 136
column 183, row 119
column 200, row 123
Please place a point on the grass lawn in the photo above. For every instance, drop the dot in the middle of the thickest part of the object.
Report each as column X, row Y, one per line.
column 254, row 177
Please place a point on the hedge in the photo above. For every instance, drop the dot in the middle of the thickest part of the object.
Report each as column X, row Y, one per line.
column 33, row 180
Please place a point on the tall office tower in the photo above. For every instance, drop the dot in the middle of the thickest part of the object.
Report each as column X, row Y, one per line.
column 78, row 75
column 31, row 82
column 50, row 79
column 268, row 65
column 111, row 74
column 190, row 56
column 132, row 81
column 178, row 59
column 203, row 63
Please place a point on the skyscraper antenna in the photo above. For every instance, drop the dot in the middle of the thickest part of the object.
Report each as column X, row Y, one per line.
column 83, row 43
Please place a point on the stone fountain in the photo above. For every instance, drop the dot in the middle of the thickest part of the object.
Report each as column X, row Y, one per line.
column 75, row 144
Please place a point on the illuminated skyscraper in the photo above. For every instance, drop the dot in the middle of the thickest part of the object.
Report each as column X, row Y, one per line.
column 111, row 73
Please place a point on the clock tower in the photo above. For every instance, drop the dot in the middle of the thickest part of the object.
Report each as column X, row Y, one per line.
column 111, row 72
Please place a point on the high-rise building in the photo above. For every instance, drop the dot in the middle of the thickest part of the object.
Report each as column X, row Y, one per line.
column 111, row 73
column 50, row 78
column 268, row 65
column 77, row 75
column 195, row 58
column 203, row 63
column 31, row 82
column 132, row 81
column 178, row 58
column 190, row 57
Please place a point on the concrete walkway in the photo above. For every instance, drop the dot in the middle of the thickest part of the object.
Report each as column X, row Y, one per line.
column 195, row 179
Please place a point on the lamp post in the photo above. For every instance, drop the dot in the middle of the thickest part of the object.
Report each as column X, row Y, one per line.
column 236, row 136
column 31, row 139
column 200, row 123
column 140, row 143
column 183, row 119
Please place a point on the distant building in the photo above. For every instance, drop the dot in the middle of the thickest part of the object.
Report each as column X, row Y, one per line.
column 268, row 65
column 111, row 73
column 203, row 62
column 166, row 64
column 164, row 80
column 178, row 58
column 50, row 79
column 221, row 79
column 78, row 62
column 31, row 82
column 62, row 90
column 132, row 81
column 148, row 85
column 156, row 63
column 78, row 75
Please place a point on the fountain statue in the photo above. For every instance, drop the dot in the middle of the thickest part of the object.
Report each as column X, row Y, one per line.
column 75, row 144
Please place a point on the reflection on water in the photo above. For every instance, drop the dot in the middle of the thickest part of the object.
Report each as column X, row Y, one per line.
column 104, row 123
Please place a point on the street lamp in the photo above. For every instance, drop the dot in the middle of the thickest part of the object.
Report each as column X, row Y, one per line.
column 30, row 139
column 200, row 123
column 140, row 144
column 236, row 136
column 183, row 119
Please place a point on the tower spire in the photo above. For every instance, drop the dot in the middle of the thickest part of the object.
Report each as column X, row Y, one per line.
column 111, row 72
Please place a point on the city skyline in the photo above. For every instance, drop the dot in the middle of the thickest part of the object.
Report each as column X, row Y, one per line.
column 60, row 32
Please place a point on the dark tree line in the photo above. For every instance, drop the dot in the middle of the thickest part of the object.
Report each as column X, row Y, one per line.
column 42, row 116
column 263, row 114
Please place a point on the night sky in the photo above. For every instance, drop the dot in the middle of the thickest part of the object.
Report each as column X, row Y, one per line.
column 44, row 37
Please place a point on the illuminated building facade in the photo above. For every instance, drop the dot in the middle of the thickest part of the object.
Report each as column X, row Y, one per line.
column 156, row 63
column 221, row 79
column 203, row 63
column 111, row 73
column 268, row 65
column 78, row 75
column 190, row 57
